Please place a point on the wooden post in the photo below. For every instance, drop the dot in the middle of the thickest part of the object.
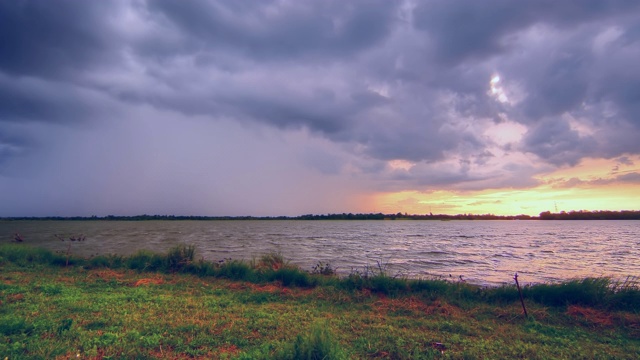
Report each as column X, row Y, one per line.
column 521, row 298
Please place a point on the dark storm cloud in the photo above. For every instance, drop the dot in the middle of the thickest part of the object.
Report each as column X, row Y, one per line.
column 32, row 99
column 555, row 141
column 561, row 86
column 269, row 30
column 55, row 38
column 477, row 29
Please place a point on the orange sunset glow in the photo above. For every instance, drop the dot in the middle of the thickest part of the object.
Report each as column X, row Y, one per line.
column 592, row 185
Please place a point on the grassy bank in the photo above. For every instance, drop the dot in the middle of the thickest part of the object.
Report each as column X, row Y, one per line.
column 175, row 306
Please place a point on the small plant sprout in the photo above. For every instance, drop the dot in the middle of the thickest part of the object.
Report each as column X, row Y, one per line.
column 69, row 240
column 323, row 268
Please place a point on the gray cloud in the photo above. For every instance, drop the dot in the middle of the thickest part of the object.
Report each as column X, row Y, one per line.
column 306, row 31
column 628, row 178
column 554, row 141
column 55, row 39
column 633, row 177
column 35, row 99
column 470, row 29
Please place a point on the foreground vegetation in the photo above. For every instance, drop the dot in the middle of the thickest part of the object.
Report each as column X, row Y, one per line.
column 175, row 306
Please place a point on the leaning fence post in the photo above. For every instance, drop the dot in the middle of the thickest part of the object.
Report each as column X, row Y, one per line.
column 521, row 298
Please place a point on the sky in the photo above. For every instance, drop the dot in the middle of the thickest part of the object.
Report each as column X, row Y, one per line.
column 293, row 107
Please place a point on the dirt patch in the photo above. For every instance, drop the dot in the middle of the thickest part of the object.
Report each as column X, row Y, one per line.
column 630, row 321
column 106, row 274
column 229, row 349
column 170, row 354
column 268, row 288
column 592, row 316
column 512, row 312
column 149, row 281
column 273, row 288
column 444, row 309
column 237, row 286
column 14, row 298
column 412, row 304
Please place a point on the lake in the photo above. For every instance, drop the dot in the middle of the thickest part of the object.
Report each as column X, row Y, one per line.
column 483, row 252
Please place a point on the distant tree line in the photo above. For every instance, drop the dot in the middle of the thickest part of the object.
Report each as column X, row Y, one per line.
column 405, row 216
column 591, row 215
column 547, row 215
column 343, row 216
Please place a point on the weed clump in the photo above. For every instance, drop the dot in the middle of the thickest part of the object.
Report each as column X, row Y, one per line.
column 318, row 344
column 145, row 260
column 26, row 255
column 588, row 292
column 322, row 268
column 180, row 257
column 10, row 325
column 236, row 270
column 290, row 276
column 273, row 261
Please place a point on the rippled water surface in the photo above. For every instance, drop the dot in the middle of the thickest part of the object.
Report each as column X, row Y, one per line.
column 484, row 252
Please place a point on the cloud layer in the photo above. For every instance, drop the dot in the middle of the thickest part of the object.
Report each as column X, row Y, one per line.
column 245, row 102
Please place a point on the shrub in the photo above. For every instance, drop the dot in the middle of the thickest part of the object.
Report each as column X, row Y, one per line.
column 145, row 260
column 203, row 268
column 385, row 284
column 290, row 276
column 98, row 262
column 236, row 270
column 24, row 255
column 180, row 256
column 58, row 259
column 115, row 261
column 273, row 261
column 626, row 295
column 502, row 294
column 589, row 291
column 354, row 281
column 430, row 286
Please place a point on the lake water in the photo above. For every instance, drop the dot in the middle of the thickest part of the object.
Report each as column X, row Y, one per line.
column 483, row 252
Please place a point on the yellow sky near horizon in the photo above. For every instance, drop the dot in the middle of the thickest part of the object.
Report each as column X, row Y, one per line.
column 591, row 185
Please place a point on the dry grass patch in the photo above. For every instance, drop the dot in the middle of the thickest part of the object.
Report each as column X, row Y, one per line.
column 149, row 281
column 590, row 315
column 418, row 306
column 106, row 274
column 228, row 350
column 510, row 313
column 170, row 354
column 12, row 298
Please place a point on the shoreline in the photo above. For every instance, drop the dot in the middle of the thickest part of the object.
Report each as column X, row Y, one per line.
column 272, row 267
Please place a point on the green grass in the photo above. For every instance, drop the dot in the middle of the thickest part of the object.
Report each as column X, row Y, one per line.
column 147, row 306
